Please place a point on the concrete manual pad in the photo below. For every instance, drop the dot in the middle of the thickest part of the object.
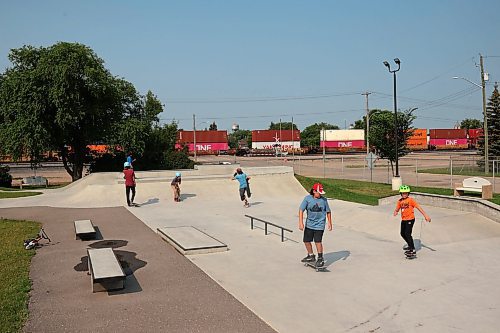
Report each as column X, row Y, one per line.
column 189, row 240
column 84, row 228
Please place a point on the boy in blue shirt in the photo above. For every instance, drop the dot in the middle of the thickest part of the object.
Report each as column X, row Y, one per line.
column 318, row 211
column 242, row 178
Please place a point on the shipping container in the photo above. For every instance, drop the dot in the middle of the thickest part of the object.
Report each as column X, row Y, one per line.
column 202, row 136
column 474, row 135
column 448, row 133
column 207, row 142
column 284, row 146
column 443, row 144
column 275, row 136
column 418, row 140
column 342, row 135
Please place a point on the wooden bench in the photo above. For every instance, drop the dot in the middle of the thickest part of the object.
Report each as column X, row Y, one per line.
column 475, row 184
column 106, row 273
column 34, row 181
column 84, row 229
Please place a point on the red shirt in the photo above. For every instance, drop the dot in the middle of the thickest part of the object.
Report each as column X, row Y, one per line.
column 129, row 177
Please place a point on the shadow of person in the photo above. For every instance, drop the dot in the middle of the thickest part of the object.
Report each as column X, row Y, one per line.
column 150, row 202
column 332, row 257
column 185, row 196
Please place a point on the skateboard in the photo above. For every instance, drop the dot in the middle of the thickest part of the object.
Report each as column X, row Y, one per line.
column 411, row 257
column 313, row 265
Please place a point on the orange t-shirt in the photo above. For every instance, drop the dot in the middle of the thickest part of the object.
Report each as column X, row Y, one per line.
column 407, row 205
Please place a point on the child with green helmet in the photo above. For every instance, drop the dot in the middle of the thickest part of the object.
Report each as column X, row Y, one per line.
column 407, row 206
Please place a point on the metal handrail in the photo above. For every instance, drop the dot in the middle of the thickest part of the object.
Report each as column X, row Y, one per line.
column 265, row 226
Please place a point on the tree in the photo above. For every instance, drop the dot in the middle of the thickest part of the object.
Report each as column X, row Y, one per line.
column 360, row 124
column 469, row 123
column 213, row 127
column 62, row 97
column 382, row 133
column 493, row 117
column 287, row 125
column 309, row 137
column 235, row 137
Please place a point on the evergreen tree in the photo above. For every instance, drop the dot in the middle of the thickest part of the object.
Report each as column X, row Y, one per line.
column 493, row 116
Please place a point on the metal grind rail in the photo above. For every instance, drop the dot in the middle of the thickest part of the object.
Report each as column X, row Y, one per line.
column 283, row 229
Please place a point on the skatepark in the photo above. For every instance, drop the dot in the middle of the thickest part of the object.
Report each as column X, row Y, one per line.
column 257, row 283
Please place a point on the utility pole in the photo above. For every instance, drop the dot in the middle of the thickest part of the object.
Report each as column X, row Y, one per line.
column 194, row 137
column 367, row 123
column 485, row 122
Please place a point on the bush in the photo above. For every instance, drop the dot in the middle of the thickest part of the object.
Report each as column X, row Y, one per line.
column 5, row 177
column 108, row 162
column 177, row 160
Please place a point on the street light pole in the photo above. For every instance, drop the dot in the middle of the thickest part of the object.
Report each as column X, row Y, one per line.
column 367, row 123
column 485, row 117
column 398, row 62
column 485, row 122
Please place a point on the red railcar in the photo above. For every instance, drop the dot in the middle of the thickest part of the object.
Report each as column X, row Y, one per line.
column 207, row 142
column 443, row 139
column 474, row 135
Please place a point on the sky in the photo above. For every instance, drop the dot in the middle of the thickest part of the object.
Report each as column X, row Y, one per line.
column 262, row 61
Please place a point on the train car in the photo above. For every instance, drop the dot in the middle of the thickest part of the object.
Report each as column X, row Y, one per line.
column 418, row 140
column 285, row 140
column 207, row 142
column 474, row 135
column 445, row 139
column 343, row 140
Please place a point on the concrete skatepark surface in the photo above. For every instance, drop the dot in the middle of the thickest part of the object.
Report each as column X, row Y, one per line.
column 368, row 284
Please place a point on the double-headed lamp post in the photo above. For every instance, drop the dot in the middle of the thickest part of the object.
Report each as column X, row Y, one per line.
column 485, row 121
column 398, row 62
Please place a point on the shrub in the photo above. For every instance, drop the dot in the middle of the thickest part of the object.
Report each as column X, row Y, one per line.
column 5, row 177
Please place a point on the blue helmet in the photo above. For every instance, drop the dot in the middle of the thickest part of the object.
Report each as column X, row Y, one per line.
column 126, row 165
column 177, row 174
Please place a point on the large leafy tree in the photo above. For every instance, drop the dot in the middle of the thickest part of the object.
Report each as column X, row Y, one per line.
column 62, row 97
column 382, row 135
column 493, row 116
column 469, row 123
column 236, row 136
column 309, row 137
column 286, row 125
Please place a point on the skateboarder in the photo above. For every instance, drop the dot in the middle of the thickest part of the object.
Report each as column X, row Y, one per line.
column 176, row 188
column 243, row 179
column 407, row 205
column 130, row 159
column 318, row 211
column 129, row 176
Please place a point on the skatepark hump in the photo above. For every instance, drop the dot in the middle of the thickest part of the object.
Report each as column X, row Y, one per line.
column 368, row 285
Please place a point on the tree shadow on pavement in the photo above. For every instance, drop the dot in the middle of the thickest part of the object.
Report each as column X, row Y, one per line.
column 332, row 257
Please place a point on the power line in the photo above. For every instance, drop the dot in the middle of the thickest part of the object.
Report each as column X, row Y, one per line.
column 257, row 99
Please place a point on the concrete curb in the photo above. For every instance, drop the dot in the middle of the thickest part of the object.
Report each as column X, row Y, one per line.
column 464, row 204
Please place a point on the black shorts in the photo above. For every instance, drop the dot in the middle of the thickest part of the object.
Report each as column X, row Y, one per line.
column 242, row 193
column 311, row 234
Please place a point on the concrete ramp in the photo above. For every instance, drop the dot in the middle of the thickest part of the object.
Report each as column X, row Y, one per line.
column 189, row 240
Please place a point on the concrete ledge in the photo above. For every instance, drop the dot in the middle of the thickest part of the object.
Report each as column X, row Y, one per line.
column 465, row 204
column 189, row 240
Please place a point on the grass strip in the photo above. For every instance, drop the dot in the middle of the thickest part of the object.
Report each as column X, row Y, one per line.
column 14, row 272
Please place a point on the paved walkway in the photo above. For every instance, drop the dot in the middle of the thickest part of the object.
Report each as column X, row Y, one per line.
column 164, row 291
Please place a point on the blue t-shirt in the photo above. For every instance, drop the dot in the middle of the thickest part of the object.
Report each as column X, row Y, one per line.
column 129, row 159
column 316, row 212
column 242, row 178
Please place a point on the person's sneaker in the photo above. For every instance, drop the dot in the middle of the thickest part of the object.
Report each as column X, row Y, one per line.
column 309, row 258
column 406, row 247
column 320, row 262
column 411, row 253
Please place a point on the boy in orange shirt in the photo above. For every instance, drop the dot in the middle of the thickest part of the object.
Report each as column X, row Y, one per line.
column 407, row 205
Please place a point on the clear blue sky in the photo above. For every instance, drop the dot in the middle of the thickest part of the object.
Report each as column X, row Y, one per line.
column 253, row 62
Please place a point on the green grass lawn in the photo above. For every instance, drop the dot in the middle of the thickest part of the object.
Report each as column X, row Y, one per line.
column 362, row 192
column 14, row 272
column 459, row 171
column 16, row 194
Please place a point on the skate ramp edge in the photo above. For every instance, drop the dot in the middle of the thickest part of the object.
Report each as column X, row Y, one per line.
column 464, row 204
column 190, row 240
